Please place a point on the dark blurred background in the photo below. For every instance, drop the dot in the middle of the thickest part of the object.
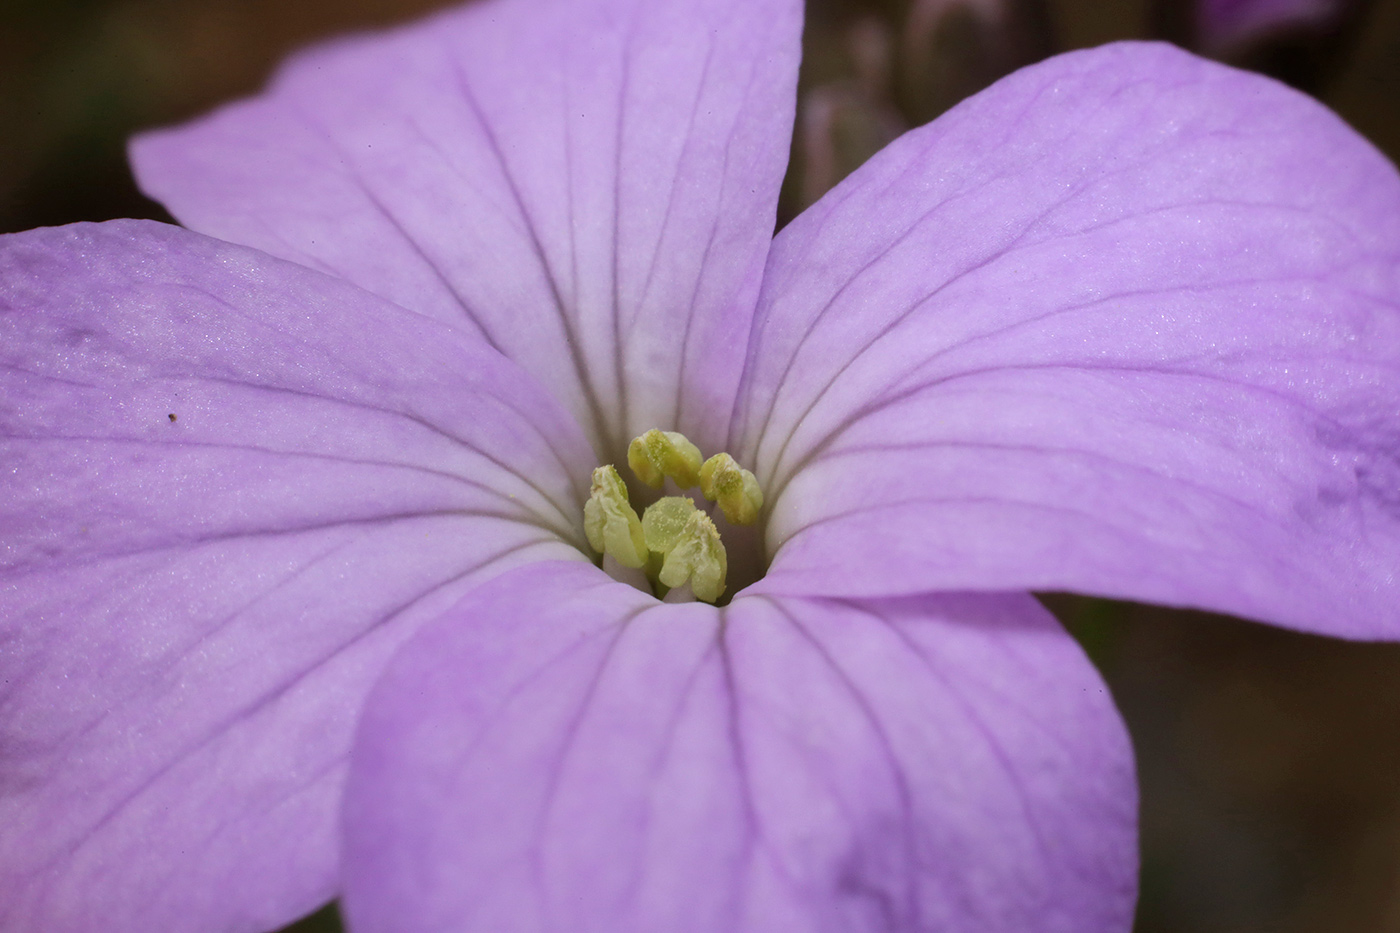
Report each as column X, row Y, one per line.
column 1269, row 761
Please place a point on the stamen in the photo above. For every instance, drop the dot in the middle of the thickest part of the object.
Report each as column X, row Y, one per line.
column 733, row 487
column 673, row 543
column 696, row 554
column 610, row 522
column 664, row 521
column 688, row 545
column 658, row 454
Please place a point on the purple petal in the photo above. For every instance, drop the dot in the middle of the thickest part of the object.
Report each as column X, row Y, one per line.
column 560, row 752
column 589, row 184
column 1124, row 324
column 233, row 487
column 1227, row 24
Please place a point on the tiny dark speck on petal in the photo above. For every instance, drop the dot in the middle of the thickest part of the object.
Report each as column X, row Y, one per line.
column 172, row 417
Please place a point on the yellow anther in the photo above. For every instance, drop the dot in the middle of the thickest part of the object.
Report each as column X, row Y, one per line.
column 674, row 543
column 611, row 523
column 658, row 454
column 697, row 555
column 664, row 522
column 689, row 547
column 733, row 487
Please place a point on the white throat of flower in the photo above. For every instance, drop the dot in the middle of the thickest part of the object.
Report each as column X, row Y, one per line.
column 673, row 542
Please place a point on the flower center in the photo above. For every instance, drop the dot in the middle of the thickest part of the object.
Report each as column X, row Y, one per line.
column 674, row 543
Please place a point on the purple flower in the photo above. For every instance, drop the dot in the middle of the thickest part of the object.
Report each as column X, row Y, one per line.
column 1126, row 323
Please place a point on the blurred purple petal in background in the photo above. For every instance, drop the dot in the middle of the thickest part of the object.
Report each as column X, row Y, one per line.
column 1225, row 24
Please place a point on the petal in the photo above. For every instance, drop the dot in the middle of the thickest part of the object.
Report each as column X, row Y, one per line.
column 590, row 184
column 1227, row 24
column 561, row 752
column 232, row 487
column 1124, row 324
